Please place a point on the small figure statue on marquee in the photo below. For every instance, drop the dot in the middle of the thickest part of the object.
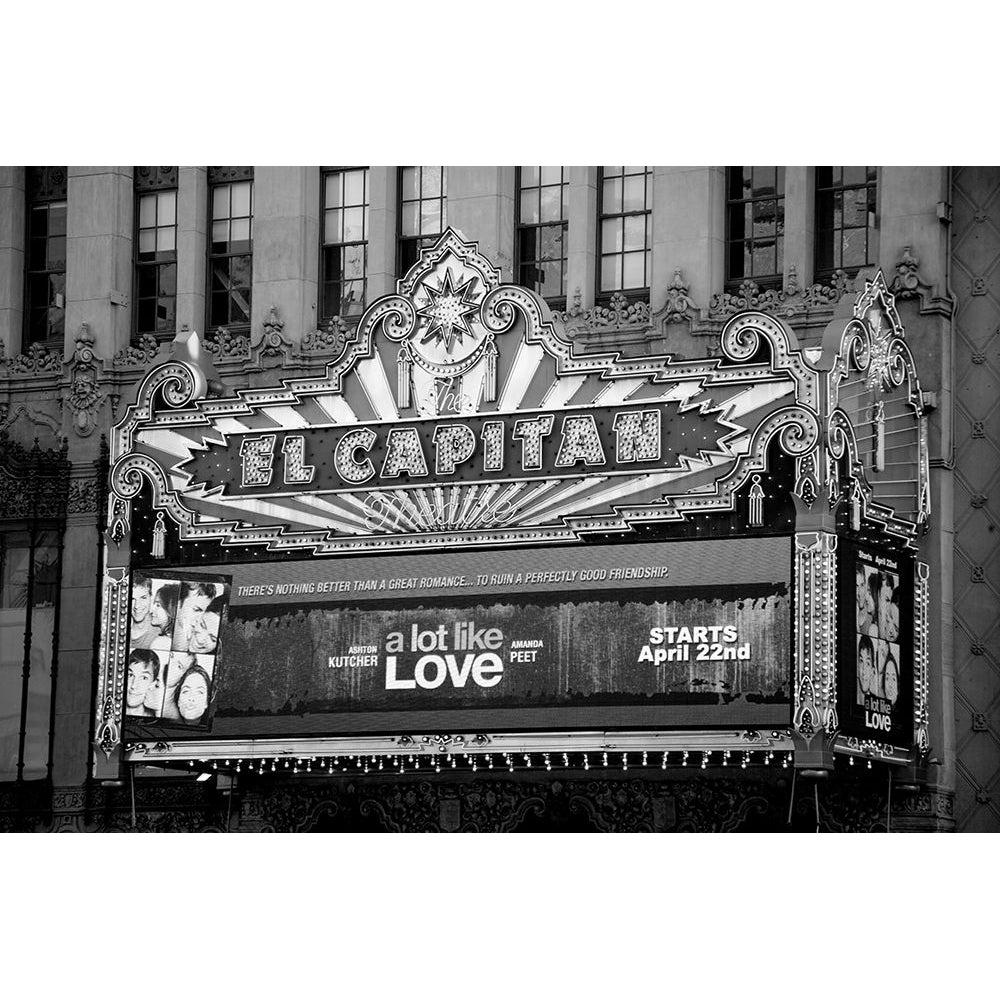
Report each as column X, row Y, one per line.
column 878, row 436
column 756, row 504
column 159, row 537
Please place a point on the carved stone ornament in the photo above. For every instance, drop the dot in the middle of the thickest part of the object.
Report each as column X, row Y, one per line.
column 679, row 307
column 618, row 315
column 155, row 178
column 138, row 355
column 225, row 346
column 83, row 496
column 272, row 343
column 37, row 360
column 84, row 397
column 787, row 301
column 330, row 338
column 907, row 283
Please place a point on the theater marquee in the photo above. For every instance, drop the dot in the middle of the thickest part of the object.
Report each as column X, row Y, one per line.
column 440, row 532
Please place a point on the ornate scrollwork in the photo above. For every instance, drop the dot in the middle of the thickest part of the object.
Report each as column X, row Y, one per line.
column 679, row 304
column 37, row 360
column 619, row 314
column 225, row 346
column 84, row 397
column 138, row 355
column 330, row 338
column 907, row 283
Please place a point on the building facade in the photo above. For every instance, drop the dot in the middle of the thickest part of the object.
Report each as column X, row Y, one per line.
column 253, row 276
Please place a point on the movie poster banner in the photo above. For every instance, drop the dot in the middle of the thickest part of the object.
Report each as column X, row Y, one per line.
column 174, row 625
column 658, row 634
column 875, row 671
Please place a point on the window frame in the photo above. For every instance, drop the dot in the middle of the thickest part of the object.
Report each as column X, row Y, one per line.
column 772, row 279
column 557, row 301
column 325, row 173
column 422, row 240
column 51, row 189
column 871, row 230
column 139, row 265
column 227, row 177
column 638, row 292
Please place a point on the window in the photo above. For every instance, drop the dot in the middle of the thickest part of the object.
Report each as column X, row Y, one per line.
column 45, row 291
column 345, row 242
column 423, row 211
column 29, row 592
column 156, row 250
column 755, row 225
column 230, row 262
column 625, row 234
column 542, row 227
column 845, row 219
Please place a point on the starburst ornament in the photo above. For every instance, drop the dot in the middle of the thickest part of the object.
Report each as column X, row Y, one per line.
column 447, row 311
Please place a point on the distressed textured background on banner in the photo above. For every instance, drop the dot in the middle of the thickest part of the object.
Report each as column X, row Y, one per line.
column 569, row 652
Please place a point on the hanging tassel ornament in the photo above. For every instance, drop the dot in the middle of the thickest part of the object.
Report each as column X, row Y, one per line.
column 490, row 381
column 159, row 537
column 404, row 367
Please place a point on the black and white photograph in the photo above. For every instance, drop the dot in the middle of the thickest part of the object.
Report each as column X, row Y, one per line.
column 174, row 627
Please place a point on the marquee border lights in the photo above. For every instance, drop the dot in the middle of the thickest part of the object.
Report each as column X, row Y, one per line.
column 429, row 753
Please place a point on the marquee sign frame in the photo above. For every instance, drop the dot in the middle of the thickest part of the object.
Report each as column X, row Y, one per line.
column 453, row 321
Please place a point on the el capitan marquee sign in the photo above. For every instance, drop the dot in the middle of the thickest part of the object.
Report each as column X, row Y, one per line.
column 458, row 418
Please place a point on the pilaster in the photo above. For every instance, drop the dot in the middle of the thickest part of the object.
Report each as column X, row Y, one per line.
column 381, row 231
column 99, row 226
column 800, row 224
column 481, row 205
column 12, row 232
column 689, row 231
column 581, row 261
column 192, row 246
column 286, row 248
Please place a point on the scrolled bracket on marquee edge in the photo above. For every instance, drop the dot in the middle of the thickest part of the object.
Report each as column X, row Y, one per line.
column 921, row 658
column 815, row 707
column 111, row 659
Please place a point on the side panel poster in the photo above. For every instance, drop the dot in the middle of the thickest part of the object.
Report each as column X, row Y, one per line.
column 875, row 673
column 662, row 633
column 174, row 647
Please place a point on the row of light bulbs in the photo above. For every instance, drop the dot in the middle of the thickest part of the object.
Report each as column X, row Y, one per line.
column 367, row 763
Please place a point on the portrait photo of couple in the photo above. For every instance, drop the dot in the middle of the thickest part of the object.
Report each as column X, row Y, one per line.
column 174, row 639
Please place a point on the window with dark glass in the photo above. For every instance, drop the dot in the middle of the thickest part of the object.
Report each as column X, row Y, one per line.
column 845, row 219
column 625, row 235
column 755, row 225
column 423, row 211
column 156, row 250
column 345, row 242
column 45, row 292
column 29, row 593
column 230, row 262
column 542, row 227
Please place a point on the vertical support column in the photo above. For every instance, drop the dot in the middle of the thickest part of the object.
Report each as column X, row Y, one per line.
column 79, row 602
column 581, row 260
column 381, row 231
column 800, row 223
column 285, row 248
column 192, row 247
column 815, row 710
column 908, row 201
column 481, row 206
column 99, row 226
column 689, row 231
column 12, row 232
